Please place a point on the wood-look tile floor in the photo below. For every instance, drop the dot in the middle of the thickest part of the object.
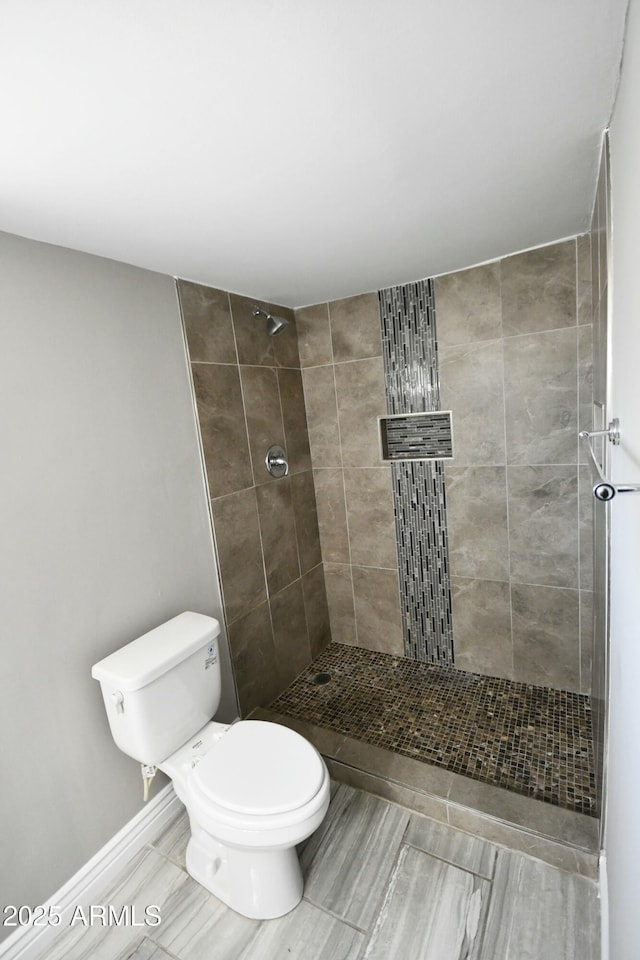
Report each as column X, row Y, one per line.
column 381, row 883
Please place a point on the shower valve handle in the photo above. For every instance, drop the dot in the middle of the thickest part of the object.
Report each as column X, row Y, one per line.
column 276, row 462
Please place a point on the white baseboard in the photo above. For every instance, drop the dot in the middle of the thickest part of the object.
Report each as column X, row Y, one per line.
column 91, row 880
column 604, row 908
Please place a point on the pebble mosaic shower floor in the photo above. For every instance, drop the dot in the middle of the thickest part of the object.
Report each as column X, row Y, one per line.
column 531, row 740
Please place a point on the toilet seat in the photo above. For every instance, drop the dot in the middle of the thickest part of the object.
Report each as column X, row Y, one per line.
column 259, row 769
column 195, row 786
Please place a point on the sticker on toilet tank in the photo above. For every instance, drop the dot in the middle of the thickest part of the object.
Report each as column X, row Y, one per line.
column 211, row 658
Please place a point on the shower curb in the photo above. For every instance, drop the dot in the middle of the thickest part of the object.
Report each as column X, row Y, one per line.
column 370, row 768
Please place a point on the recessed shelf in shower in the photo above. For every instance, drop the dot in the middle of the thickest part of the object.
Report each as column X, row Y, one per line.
column 416, row 436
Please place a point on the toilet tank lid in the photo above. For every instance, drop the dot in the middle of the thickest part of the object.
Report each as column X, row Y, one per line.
column 145, row 659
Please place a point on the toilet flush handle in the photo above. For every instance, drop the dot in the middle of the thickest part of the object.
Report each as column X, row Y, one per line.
column 118, row 700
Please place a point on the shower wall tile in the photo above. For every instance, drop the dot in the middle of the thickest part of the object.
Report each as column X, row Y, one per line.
column 316, row 610
column 410, row 347
column 585, row 292
column 355, row 327
column 370, row 517
column 482, row 624
column 477, row 522
column 222, row 427
column 471, row 386
column 306, row 519
column 278, row 531
column 585, row 385
column 600, row 350
column 586, row 640
column 602, row 224
column 535, row 394
column 264, row 419
column 207, row 321
column 290, row 637
column 541, row 397
column 339, row 586
column 332, row 515
column 285, row 347
column 539, row 289
column 410, row 357
column 543, row 618
column 361, row 399
column 322, row 416
column 266, row 530
column 254, row 659
column 423, row 559
column 595, row 251
column 468, row 305
column 254, row 345
column 237, row 530
column 585, row 512
column 510, row 367
column 377, row 607
column 314, row 335
column 543, row 525
column 294, row 418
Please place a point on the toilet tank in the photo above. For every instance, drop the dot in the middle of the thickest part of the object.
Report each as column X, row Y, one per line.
column 163, row 687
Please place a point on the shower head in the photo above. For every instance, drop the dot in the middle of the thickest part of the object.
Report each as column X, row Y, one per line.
column 275, row 325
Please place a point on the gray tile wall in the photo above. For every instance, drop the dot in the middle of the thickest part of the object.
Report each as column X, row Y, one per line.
column 514, row 351
column 515, row 360
column 249, row 395
column 344, row 389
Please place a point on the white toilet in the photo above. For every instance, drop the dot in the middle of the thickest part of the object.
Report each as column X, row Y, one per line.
column 253, row 790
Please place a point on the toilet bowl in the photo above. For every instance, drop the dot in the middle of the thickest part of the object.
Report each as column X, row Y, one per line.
column 253, row 790
column 254, row 793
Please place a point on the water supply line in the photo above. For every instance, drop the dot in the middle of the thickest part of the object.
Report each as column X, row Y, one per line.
column 148, row 771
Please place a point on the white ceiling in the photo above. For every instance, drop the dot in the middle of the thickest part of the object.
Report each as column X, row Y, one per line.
column 303, row 150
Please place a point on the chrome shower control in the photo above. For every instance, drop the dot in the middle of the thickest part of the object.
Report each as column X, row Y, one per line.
column 276, row 461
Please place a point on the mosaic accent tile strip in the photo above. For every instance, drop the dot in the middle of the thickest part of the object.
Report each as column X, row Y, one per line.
column 409, row 350
column 531, row 740
column 409, row 347
column 423, row 560
column 416, row 436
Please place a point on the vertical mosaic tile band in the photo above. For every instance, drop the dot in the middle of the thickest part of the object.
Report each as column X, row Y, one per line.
column 409, row 350
column 409, row 347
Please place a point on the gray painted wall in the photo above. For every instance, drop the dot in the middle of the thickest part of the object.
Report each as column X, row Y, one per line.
column 104, row 534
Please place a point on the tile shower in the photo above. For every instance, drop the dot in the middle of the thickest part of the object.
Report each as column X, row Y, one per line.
column 248, row 393
column 334, row 551
column 514, row 367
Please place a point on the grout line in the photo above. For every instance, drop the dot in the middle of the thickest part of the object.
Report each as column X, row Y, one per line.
column 442, row 857
column 540, row 333
column 335, row 916
column 578, row 484
column 342, row 469
column 246, row 423
column 506, row 476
